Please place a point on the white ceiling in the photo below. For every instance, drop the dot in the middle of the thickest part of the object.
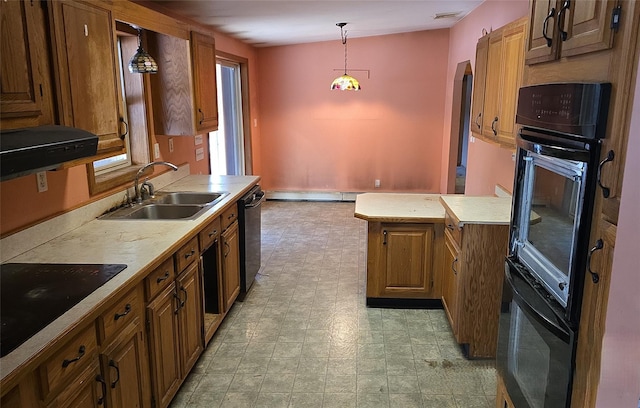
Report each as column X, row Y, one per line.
column 268, row 23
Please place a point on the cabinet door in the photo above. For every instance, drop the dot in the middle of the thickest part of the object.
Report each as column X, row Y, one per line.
column 593, row 317
column 479, row 78
column 26, row 97
column 512, row 64
column 85, row 51
column 125, row 369
column 587, row 24
column 230, row 265
column 203, row 49
column 543, row 21
column 452, row 266
column 164, row 343
column 407, row 261
column 85, row 391
column 190, row 320
column 491, row 110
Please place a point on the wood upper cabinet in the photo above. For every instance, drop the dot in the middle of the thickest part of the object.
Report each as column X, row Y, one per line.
column 85, row 65
column 473, row 271
column 184, row 89
column 479, row 78
column 203, row 52
column 402, row 261
column 565, row 28
column 494, row 106
column 230, row 247
column 26, row 97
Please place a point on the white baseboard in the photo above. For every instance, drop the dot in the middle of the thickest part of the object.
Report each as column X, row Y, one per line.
column 310, row 196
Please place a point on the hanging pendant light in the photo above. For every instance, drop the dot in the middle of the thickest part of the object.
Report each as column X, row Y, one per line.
column 345, row 82
column 142, row 62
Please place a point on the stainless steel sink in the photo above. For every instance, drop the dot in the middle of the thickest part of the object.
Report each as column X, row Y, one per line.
column 188, row 197
column 180, row 205
column 165, row 212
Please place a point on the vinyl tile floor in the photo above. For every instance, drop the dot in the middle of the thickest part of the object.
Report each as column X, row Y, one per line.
column 303, row 337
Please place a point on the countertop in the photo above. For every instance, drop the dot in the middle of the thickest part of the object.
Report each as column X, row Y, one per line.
column 398, row 207
column 478, row 210
column 141, row 244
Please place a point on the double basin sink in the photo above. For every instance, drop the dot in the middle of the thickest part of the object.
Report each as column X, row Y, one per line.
column 183, row 205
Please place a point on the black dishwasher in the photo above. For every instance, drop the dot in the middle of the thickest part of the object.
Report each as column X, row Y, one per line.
column 249, row 218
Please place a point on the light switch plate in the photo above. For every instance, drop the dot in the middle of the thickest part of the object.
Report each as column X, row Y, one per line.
column 156, row 151
column 198, row 140
column 199, row 154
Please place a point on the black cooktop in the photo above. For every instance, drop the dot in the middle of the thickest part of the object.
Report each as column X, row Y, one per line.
column 33, row 295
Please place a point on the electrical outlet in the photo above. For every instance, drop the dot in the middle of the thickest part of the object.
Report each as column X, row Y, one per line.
column 156, row 151
column 376, row 183
column 170, row 145
column 198, row 140
column 41, row 178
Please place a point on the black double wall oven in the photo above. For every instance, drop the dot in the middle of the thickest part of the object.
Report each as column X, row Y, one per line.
column 558, row 149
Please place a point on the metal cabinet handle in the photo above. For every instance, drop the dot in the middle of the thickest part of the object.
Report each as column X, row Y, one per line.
column 190, row 254
column 384, row 237
column 127, row 310
column 545, row 26
column 66, row 362
column 453, row 267
column 163, row 278
column 232, row 215
column 606, row 191
column 493, row 126
column 201, row 116
column 114, row 365
column 478, row 120
column 212, row 233
column 104, row 389
column 183, row 301
column 175, row 295
column 450, row 227
column 566, row 6
column 594, row 275
column 126, row 128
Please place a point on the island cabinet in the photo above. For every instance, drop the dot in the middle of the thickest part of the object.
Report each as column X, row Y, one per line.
column 499, row 69
column 175, row 319
column 473, row 272
column 26, row 97
column 403, row 261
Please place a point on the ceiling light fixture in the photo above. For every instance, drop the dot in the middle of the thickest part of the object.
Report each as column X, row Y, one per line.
column 345, row 82
column 142, row 62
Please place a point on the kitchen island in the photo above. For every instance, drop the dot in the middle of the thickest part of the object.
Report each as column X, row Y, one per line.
column 431, row 250
column 136, row 319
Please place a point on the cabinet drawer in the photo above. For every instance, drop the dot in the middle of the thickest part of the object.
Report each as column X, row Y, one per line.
column 120, row 314
column 209, row 234
column 187, row 254
column 67, row 362
column 452, row 228
column 229, row 216
column 159, row 279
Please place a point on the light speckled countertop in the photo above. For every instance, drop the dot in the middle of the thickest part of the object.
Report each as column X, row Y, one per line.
column 427, row 208
column 397, row 207
column 139, row 244
column 478, row 210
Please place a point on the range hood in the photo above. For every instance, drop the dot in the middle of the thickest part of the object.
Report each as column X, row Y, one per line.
column 30, row 150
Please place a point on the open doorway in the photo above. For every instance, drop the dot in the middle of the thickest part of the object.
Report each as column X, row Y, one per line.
column 459, row 137
column 229, row 146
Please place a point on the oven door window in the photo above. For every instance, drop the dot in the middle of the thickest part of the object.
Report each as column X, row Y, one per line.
column 552, row 197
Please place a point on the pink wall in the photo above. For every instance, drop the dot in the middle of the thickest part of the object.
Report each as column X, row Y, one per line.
column 487, row 164
column 314, row 138
column 620, row 369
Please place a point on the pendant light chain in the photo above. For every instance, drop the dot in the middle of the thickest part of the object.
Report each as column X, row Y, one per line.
column 345, row 82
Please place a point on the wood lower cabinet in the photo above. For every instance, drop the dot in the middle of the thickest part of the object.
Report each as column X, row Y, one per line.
column 175, row 319
column 230, row 248
column 402, row 261
column 87, row 390
column 473, row 273
column 502, row 397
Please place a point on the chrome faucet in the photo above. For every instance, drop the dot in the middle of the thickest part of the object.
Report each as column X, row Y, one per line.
column 149, row 186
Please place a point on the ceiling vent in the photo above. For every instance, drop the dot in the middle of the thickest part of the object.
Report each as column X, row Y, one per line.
column 452, row 14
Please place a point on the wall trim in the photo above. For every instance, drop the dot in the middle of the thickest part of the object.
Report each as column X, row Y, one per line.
column 311, row 195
